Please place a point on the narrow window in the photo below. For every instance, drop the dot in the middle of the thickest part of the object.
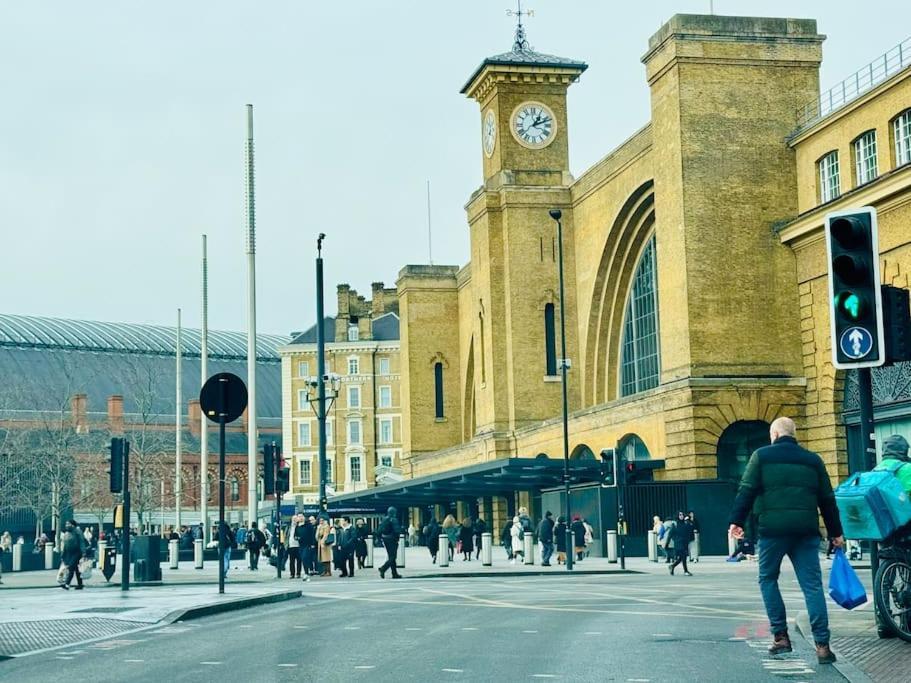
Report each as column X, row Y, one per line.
column 384, row 366
column 235, row 489
column 354, row 431
column 550, row 343
column 328, row 432
column 303, row 433
column 865, row 157
column 385, row 397
column 302, row 402
column 386, row 460
column 483, row 351
column 303, row 369
column 639, row 360
column 901, row 128
column 304, row 476
column 353, row 333
column 541, row 239
column 386, row 431
column 354, row 468
column 329, row 479
column 438, row 386
column 829, row 185
column 354, row 397
column 353, row 366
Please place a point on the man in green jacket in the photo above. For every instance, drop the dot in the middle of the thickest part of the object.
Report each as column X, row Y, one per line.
column 895, row 447
column 785, row 485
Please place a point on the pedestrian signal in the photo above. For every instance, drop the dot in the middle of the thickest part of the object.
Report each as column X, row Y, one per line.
column 116, row 470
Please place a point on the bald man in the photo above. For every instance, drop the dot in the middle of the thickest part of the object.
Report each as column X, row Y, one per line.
column 784, row 485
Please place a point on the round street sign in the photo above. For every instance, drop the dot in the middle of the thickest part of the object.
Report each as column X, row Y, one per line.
column 856, row 342
column 223, row 396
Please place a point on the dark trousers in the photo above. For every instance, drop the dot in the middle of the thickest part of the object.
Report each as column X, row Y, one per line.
column 307, row 557
column 392, row 548
column 547, row 551
column 254, row 557
column 295, row 555
column 73, row 570
column 681, row 557
column 346, row 563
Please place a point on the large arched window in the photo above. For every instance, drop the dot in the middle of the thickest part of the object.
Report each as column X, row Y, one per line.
column 633, row 448
column 550, row 342
column 736, row 445
column 639, row 359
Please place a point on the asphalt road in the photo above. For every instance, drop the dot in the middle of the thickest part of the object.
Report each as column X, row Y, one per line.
column 650, row 627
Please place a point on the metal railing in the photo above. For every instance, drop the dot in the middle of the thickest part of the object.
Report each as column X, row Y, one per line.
column 874, row 73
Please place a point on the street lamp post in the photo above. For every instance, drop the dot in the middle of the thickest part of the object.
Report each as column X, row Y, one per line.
column 556, row 214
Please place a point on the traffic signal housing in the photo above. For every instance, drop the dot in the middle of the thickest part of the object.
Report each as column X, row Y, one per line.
column 636, row 471
column 608, row 473
column 269, row 469
column 116, row 470
column 855, row 301
column 896, row 324
column 283, row 478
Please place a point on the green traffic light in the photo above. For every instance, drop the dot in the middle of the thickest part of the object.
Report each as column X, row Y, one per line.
column 850, row 305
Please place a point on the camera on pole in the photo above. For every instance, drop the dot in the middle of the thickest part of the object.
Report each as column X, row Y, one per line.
column 855, row 299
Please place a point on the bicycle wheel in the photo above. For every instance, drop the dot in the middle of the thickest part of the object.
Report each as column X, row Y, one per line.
column 892, row 596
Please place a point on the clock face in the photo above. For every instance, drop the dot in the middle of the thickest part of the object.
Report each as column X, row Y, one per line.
column 489, row 133
column 533, row 125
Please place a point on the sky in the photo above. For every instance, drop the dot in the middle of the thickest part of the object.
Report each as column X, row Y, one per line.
column 124, row 125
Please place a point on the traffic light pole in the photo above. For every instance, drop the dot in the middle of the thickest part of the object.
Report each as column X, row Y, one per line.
column 221, row 494
column 125, row 568
column 321, row 378
column 868, row 444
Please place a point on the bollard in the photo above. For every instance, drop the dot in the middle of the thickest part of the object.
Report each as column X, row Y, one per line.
column 443, row 553
column 368, row 561
column 197, row 554
column 17, row 557
column 400, row 557
column 528, row 545
column 612, row 546
column 694, row 547
column 486, row 549
column 732, row 545
column 652, row 546
column 49, row 556
column 173, row 554
column 99, row 556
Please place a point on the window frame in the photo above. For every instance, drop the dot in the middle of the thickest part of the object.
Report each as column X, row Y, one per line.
column 381, row 423
column 330, row 432
column 383, row 458
column 302, row 402
column 309, row 441
column 353, row 390
column 355, row 362
column 385, row 366
column 901, row 146
column 388, row 390
column 550, row 341
column 305, row 365
column 861, row 148
column 360, row 432
column 300, row 471
column 354, row 333
column 825, row 175
column 359, row 459
column 640, row 331
column 439, row 404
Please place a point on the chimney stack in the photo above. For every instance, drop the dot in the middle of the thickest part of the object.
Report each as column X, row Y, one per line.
column 115, row 414
column 78, row 409
column 194, row 416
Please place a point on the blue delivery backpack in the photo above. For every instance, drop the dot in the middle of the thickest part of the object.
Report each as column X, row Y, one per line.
column 872, row 505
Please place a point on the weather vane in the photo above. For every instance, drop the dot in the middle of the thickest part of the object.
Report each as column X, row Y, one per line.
column 521, row 41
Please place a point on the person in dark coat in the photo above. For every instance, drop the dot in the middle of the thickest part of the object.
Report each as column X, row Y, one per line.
column 256, row 539
column 186, row 539
column 306, row 538
column 361, row 533
column 546, row 538
column 479, row 529
column 73, row 550
column 432, row 536
column 560, row 539
column 681, row 534
column 578, row 529
column 506, row 538
column 347, row 539
column 466, row 538
column 225, row 542
column 390, row 530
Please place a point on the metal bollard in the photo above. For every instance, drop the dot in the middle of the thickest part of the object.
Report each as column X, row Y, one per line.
column 197, row 554
column 528, row 545
column 732, row 545
column 102, row 545
column 49, row 556
column 694, row 547
column 443, row 554
column 400, row 556
column 612, row 546
column 17, row 557
column 368, row 561
column 486, row 549
column 652, row 546
column 173, row 554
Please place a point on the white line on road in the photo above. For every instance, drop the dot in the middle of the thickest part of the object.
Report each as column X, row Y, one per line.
column 211, row 663
column 638, row 680
column 453, row 671
column 544, row 675
column 300, row 627
column 662, row 635
column 65, row 657
column 288, row 666
column 352, row 628
column 412, row 628
column 469, row 628
column 367, row 666
column 593, row 633
column 530, row 632
column 245, row 626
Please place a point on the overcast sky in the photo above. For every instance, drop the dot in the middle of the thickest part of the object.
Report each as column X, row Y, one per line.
column 123, row 128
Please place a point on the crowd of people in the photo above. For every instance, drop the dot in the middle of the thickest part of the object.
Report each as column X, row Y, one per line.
column 676, row 539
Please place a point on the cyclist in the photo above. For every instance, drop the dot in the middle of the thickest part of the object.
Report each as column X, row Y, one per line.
column 895, row 447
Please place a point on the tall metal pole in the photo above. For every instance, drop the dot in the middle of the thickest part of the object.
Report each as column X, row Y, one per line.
column 177, row 438
column 204, row 426
column 321, row 376
column 556, row 214
column 868, row 444
column 251, row 325
column 125, row 568
column 221, row 492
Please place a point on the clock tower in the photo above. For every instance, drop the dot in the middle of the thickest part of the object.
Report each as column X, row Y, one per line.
column 510, row 307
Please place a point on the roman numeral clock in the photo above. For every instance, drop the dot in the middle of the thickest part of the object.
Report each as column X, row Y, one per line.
column 533, row 125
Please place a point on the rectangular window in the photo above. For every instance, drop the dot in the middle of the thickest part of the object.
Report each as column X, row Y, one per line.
column 354, row 468
column 329, row 432
column 829, row 186
column 385, row 397
column 865, row 157
column 438, row 388
column 386, row 430
column 303, row 369
column 386, row 460
column 353, row 333
column 354, row 397
column 354, row 431
column 550, row 342
column 304, row 472
column 901, row 127
column 384, row 366
column 303, row 433
column 353, row 366
column 302, row 402
column 329, row 478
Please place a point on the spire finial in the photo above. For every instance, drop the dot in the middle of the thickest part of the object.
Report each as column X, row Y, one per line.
column 521, row 42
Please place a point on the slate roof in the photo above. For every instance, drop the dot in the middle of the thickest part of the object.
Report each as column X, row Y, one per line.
column 309, row 336
column 385, row 328
column 525, row 57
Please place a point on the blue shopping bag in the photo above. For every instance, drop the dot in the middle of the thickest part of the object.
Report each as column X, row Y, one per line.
column 844, row 586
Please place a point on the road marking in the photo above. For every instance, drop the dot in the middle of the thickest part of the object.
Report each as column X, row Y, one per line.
column 211, row 663
column 638, row 680
column 352, row 628
column 662, row 635
column 469, row 628
column 289, row 666
column 65, row 657
column 593, row 633
column 245, row 626
column 544, row 675
column 453, row 671
column 529, row 631
column 367, row 666
column 134, row 661
column 412, row 628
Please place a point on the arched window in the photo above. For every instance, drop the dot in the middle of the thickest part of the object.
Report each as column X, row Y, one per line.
column 550, row 342
column 235, row 490
column 582, row 452
column 737, row 444
column 633, row 448
column 438, row 388
column 639, row 360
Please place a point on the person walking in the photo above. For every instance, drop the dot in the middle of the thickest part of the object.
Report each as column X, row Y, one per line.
column 256, row 539
column 347, row 538
column 306, row 539
column 518, row 539
column 225, row 541
column 786, row 484
column 589, row 536
column 466, row 539
column 506, row 539
column 361, row 533
column 668, row 541
column 325, row 540
column 560, row 539
column 432, row 536
column 72, row 551
column 578, row 529
column 294, row 546
column 682, row 534
column 390, row 529
column 451, row 529
column 546, row 538
column 693, row 522
column 479, row 529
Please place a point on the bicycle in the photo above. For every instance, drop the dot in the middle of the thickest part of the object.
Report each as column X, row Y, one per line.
column 892, row 585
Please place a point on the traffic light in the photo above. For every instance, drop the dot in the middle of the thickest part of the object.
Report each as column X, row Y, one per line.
column 896, row 324
column 282, row 474
column 269, row 469
column 609, row 467
column 855, row 301
column 116, row 470
column 635, row 471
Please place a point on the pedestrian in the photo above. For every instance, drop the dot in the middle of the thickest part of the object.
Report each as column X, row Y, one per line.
column 578, row 529
column 240, row 534
column 691, row 518
column 658, row 528
column 294, row 546
column 668, row 541
column 186, row 539
column 589, row 536
column 89, row 538
column 432, row 536
column 256, row 539
column 466, row 539
column 506, row 538
column 546, row 538
column 389, row 531
column 451, row 529
column 786, row 484
column 347, row 538
column 560, row 539
column 525, row 521
column 72, row 551
column 325, row 541
column 682, row 534
column 226, row 543
column 360, row 547
column 38, row 546
column 517, row 532
column 6, row 542
column 479, row 529
column 412, row 535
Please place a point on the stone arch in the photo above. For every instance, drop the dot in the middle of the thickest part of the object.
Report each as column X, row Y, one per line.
column 628, row 235
column 582, row 452
column 542, row 456
column 736, row 444
column 632, row 447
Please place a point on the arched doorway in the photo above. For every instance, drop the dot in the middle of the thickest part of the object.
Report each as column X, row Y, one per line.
column 737, row 444
column 631, row 447
column 582, row 452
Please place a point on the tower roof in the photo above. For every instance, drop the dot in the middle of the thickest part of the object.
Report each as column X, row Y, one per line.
column 523, row 56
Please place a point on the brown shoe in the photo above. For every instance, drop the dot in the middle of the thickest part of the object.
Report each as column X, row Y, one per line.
column 781, row 644
column 824, row 654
